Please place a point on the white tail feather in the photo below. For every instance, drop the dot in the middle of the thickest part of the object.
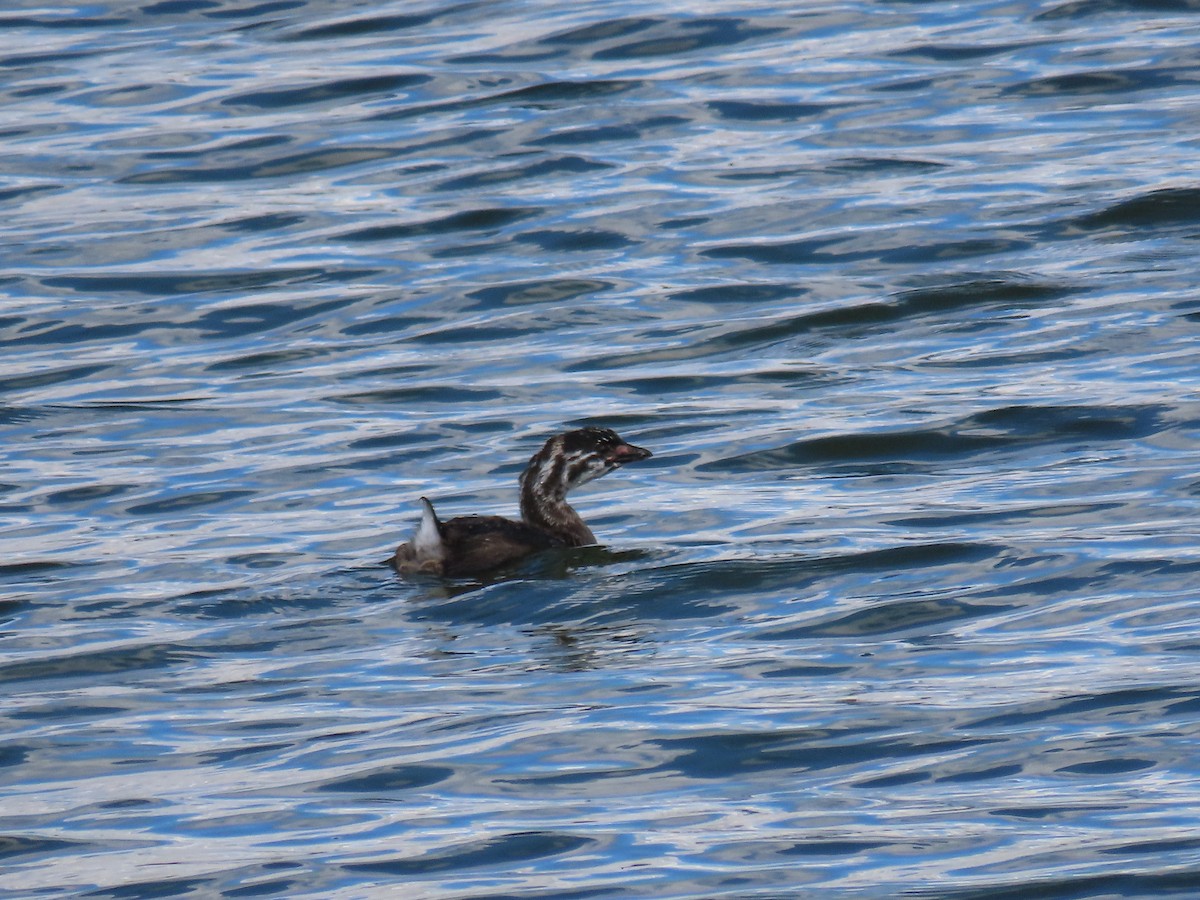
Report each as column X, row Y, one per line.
column 427, row 540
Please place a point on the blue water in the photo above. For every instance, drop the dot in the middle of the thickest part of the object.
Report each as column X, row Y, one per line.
column 902, row 295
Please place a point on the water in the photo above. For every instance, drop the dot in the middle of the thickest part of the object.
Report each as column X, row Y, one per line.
column 901, row 295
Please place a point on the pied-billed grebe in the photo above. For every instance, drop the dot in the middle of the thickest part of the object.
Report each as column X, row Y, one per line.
column 470, row 545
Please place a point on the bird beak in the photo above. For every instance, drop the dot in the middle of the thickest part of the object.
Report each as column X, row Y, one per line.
column 627, row 453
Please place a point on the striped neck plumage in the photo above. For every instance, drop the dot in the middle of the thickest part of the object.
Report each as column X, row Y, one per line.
column 564, row 463
column 551, row 473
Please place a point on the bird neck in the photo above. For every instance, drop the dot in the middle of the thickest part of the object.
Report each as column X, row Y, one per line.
column 544, row 486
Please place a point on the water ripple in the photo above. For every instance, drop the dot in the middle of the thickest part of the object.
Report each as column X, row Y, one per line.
column 900, row 296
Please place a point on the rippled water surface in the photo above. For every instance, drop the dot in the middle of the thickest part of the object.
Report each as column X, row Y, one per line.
column 902, row 295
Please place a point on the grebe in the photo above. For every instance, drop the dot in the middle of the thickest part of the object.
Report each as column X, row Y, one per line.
column 470, row 545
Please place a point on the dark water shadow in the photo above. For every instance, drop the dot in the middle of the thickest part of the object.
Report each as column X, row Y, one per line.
column 542, row 96
column 632, row 38
column 579, row 604
column 98, row 663
column 985, row 291
column 1104, row 83
column 1148, row 703
column 536, row 169
column 1163, row 208
column 14, row 847
column 503, row 852
column 726, row 754
column 1178, row 883
column 1006, row 429
column 487, row 220
column 890, row 618
column 385, row 781
column 1081, row 9
column 358, row 26
column 342, row 90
